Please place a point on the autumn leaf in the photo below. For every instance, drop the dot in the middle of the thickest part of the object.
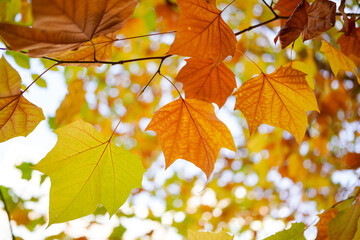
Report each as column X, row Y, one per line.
column 87, row 170
column 72, row 103
column 337, row 60
column 280, row 99
column 18, row 117
column 321, row 17
column 322, row 225
column 223, row 235
column 350, row 45
column 103, row 52
column 346, row 223
column 207, row 81
column 352, row 160
column 294, row 25
column 66, row 24
column 286, row 8
column 189, row 129
column 295, row 232
column 202, row 33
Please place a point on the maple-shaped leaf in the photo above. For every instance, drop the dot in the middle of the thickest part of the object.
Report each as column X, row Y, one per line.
column 294, row 25
column 189, row 129
column 103, row 52
column 72, row 103
column 223, row 235
column 286, row 8
column 295, row 232
column 18, row 117
column 205, row 80
column 321, row 17
column 62, row 25
column 280, row 99
column 346, row 223
column 337, row 60
column 87, row 170
column 202, row 33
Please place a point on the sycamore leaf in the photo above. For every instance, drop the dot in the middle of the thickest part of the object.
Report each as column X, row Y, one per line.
column 202, row 33
column 350, row 45
column 295, row 232
column 207, row 81
column 223, row 235
column 286, row 7
column 346, row 223
column 66, row 24
column 189, row 129
column 322, row 225
column 337, row 60
column 103, row 51
column 280, row 99
column 72, row 103
column 294, row 25
column 87, row 170
column 18, row 117
column 321, row 17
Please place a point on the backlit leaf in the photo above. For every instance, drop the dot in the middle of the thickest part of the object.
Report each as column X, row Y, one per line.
column 350, row 45
column 295, row 232
column 87, row 170
column 202, row 33
column 66, row 24
column 321, row 17
column 280, row 99
column 223, row 235
column 322, row 225
column 18, row 117
column 189, row 129
column 337, row 60
column 207, row 81
column 286, row 7
column 294, row 25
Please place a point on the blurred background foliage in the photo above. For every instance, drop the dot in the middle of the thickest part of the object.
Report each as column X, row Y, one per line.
column 270, row 181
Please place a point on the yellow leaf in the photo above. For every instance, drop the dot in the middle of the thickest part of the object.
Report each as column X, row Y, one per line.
column 71, row 104
column 337, row 60
column 280, row 99
column 87, row 170
column 202, row 33
column 18, row 117
column 66, row 24
column 189, row 129
column 207, row 81
column 223, row 235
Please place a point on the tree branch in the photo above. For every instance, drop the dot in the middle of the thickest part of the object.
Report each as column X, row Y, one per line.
column 269, row 7
column 7, row 212
column 260, row 24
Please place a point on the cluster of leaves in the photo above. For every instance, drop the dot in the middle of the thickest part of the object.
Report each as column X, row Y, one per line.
column 87, row 169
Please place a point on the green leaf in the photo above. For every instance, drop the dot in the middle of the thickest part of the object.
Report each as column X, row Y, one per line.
column 295, row 232
column 40, row 81
column 87, row 170
column 26, row 170
column 21, row 59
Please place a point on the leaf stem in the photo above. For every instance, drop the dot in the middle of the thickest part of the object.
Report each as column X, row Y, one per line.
column 269, row 7
column 172, row 85
column 8, row 213
column 39, row 77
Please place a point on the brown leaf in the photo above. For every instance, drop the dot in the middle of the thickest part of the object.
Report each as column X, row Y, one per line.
column 286, row 8
column 294, row 25
column 62, row 25
column 321, row 17
column 352, row 160
column 350, row 45
column 349, row 23
column 204, row 80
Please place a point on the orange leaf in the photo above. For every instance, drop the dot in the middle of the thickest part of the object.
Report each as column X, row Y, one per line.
column 18, row 117
column 352, row 160
column 202, row 33
column 294, row 25
column 322, row 225
column 280, row 99
column 286, row 8
column 204, row 80
column 321, row 17
column 189, row 129
column 350, row 45
column 66, row 24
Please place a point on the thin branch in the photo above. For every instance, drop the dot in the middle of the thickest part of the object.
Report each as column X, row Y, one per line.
column 269, row 7
column 260, row 24
column 7, row 212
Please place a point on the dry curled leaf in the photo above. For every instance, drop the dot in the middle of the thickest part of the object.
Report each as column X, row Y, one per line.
column 321, row 17
column 189, row 129
column 294, row 25
column 286, row 8
column 280, row 99
column 62, row 25
column 207, row 81
column 202, row 33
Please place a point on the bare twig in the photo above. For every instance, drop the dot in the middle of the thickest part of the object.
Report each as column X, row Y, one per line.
column 7, row 212
column 269, row 7
column 260, row 24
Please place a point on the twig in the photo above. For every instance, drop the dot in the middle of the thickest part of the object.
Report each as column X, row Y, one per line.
column 269, row 7
column 7, row 212
column 260, row 24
